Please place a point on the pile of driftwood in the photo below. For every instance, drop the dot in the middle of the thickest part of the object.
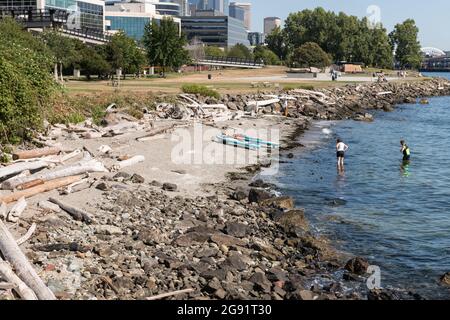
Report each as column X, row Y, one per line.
column 35, row 172
column 189, row 108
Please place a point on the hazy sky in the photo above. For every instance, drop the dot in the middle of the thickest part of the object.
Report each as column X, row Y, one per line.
column 432, row 16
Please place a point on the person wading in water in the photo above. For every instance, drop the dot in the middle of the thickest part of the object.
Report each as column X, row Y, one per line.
column 341, row 148
column 405, row 151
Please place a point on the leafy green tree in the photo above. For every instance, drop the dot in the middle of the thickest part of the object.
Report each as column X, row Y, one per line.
column 266, row 55
column 92, row 60
column 308, row 55
column 63, row 50
column 407, row 47
column 123, row 53
column 276, row 42
column 240, row 51
column 344, row 37
column 165, row 46
column 26, row 85
column 214, row 51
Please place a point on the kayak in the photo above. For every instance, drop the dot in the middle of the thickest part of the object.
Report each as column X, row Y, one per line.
column 235, row 142
column 257, row 141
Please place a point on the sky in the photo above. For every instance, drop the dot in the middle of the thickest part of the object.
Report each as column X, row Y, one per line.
column 431, row 16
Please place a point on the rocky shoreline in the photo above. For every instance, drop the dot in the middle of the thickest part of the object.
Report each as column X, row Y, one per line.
column 240, row 243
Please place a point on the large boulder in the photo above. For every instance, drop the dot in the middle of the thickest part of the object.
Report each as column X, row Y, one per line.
column 293, row 221
column 282, row 203
column 357, row 266
column 258, row 195
column 445, row 279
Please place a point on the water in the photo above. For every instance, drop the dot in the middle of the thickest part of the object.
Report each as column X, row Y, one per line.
column 396, row 216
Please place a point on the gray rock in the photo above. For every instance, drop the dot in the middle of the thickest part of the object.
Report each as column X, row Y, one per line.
column 103, row 186
column 258, row 195
column 235, row 229
column 137, row 178
column 170, row 187
column 261, row 282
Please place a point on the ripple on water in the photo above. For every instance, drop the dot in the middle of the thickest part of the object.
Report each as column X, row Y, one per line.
column 397, row 216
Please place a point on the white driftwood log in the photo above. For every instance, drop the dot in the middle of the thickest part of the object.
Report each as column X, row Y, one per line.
column 3, row 210
column 23, row 268
column 47, row 186
column 36, row 153
column 263, row 103
column 27, row 235
column 18, row 285
column 22, row 166
column 77, row 214
column 128, row 163
column 170, row 294
column 17, row 210
column 82, row 167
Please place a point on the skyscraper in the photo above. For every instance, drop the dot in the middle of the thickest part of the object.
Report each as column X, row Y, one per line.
column 239, row 10
column 270, row 23
column 218, row 5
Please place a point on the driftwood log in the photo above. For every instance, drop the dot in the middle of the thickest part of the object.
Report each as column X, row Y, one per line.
column 170, row 294
column 77, row 214
column 82, row 167
column 48, row 186
column 155, row 133
column 24, row 270
column 21, row 166
column 3, row 210
column 129, row 162
column 27, row 235
column 18, row 285
column 17, row 210
column 36, row 153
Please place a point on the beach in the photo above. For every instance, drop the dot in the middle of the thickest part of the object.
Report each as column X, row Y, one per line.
column 182, row 220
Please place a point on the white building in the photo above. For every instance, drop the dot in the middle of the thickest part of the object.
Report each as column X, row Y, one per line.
column 270, row 24
column 132, row 17
column 242, row 11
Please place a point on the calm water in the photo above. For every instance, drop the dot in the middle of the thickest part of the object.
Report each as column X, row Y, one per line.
column 397, row 217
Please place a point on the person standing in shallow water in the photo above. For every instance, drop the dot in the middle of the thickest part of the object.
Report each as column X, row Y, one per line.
column 405, row 151
column 341, row 148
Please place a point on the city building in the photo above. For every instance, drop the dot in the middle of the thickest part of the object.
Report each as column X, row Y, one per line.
column 215, row 29
column 270, row 24
column 167, row 8
column 256, row 38
column 237, row 12
column 218, row 5
column 184, row 7
column 88, row 14
column 243, row 12
column 132, row 17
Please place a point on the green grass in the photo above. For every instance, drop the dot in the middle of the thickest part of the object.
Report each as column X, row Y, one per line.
column 201, row 90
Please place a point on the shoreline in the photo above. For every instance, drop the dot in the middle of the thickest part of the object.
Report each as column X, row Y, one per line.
column 217, row 235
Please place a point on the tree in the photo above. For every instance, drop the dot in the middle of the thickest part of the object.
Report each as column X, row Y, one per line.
column 266, row 55
column 276, row 43
column 310, row 55
column 92, row 60
column 214, row 51
column 164, row 44
column 63, row 50
column 344, row 37
column 123, row 53
column 406, row 45
column 240, row 51
column 26, row 85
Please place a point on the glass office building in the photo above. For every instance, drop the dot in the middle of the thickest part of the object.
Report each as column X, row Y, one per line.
column 221, row 31
column 168, row 8
column 91, row 12
column 132, row 26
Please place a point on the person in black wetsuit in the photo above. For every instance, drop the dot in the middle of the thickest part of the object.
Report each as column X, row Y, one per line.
column 405, row 151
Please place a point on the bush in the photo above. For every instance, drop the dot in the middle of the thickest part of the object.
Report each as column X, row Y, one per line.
column 26, row 85
column 310, row 55
column 292, row 87
column 201, row 90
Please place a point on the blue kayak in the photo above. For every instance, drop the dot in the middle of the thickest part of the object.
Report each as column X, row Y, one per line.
column 237, row 143
column 261, row 142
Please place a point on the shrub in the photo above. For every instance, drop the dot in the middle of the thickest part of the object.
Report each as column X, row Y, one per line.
column 200, row 90
column 310, row 55
column 303, row 86
column 26, row 85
